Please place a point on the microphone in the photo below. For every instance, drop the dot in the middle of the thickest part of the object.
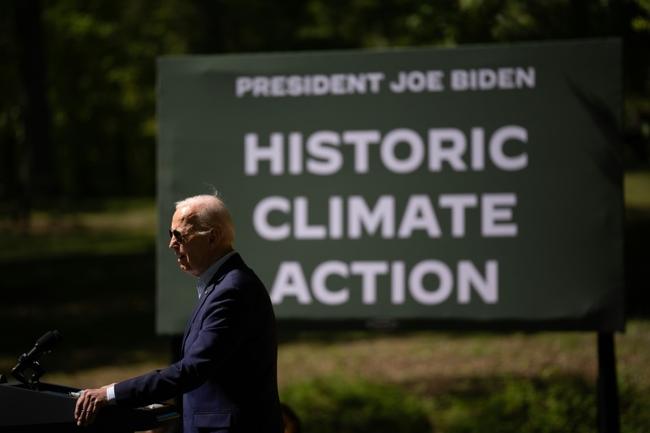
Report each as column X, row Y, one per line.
column 44, row 344
column 30, row 359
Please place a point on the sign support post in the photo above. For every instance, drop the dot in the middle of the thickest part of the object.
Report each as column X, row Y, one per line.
column 608, row 404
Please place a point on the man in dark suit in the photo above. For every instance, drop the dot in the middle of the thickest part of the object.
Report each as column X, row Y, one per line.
column 228, row 373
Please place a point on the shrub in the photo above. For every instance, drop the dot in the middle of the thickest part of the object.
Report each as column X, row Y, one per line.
column 336, row 405
column 549, row 404
column 518, row 405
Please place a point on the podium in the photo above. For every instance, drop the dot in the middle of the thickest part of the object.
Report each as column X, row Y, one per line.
column 50, row 408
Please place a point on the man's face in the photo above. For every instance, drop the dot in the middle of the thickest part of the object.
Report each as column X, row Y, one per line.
column 194, row 251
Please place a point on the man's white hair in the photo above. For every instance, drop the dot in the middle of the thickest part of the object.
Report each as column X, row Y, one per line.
column 211, row 213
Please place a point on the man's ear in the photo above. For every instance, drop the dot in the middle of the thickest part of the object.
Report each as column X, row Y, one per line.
column 215, row 236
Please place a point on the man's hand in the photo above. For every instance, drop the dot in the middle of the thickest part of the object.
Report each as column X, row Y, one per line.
column 88, row 405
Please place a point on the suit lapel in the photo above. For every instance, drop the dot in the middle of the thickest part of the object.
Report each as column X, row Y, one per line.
column 233, row 262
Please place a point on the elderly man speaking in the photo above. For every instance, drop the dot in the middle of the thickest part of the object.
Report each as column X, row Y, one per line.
column 228, row 372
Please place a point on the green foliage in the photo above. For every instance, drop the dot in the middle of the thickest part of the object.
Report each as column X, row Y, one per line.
column 552, row 404
column 343, row 406
column 100, row 56
column 634, row 404
column 101, row 70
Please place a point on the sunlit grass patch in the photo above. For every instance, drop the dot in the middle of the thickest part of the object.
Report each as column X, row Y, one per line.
column 113, row 227
column 637, row 189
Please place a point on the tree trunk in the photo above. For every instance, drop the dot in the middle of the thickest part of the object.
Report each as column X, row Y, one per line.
column 38, row 177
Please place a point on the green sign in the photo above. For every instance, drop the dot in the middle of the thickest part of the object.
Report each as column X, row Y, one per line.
column 466, row 185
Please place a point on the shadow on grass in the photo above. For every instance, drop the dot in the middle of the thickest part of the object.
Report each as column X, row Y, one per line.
column 637, row 262
column 102, row 304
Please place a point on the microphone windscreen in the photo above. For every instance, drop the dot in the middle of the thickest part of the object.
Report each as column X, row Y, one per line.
column 49, row 340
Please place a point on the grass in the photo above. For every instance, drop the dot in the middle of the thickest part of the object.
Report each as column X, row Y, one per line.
column 469, row 382
column 101, row 230
column 424, row 362
column 637, row 190
column 90, row 274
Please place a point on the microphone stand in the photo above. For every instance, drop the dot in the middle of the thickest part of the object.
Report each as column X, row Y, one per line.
column 28, row 372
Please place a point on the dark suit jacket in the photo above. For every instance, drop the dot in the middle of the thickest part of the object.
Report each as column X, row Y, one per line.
column 228, row 373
